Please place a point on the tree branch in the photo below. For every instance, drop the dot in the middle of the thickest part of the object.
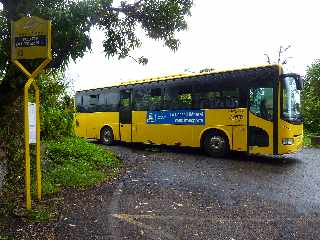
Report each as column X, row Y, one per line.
column 127, row 8
column 140, row 60
column 268, row 58
column 279, row 54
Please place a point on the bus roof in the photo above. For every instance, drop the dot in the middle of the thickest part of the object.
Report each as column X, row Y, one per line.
column 186, row 76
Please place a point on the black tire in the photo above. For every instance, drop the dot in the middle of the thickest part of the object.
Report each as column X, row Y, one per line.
column 215, row 144
column 106, row 136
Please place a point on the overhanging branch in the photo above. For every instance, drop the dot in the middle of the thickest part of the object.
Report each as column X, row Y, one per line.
column 129, row 8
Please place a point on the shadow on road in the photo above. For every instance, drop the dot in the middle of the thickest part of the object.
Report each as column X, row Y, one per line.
column 266, row 159
column 285, row 160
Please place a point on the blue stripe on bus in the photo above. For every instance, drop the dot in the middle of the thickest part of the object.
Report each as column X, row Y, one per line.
column 181, row 117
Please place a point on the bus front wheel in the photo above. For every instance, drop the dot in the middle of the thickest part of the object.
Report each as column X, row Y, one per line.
column 106, row 136
column 215, row 144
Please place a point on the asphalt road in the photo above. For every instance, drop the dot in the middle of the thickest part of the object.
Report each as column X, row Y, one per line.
column 182, row 194
column 171, row 194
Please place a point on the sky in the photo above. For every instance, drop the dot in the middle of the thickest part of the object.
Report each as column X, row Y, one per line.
column 222, row 34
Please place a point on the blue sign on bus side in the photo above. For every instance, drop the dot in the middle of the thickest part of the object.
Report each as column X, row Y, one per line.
column 182, row 117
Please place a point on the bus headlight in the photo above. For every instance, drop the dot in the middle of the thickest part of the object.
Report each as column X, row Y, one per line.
column 287, row 141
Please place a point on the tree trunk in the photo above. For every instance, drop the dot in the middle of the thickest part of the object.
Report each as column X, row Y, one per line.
column 11, row 111
column 11, row 141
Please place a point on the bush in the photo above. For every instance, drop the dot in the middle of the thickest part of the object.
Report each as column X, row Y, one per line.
column 56, row 106
column 56, row 123
column 311, row 100
column 75, row 163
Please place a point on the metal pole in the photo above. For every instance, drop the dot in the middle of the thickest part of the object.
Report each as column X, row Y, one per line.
column 38, row 145
column 27, row 178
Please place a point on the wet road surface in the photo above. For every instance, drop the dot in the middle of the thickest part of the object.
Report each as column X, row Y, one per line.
column 175, row 195
column 181, row 194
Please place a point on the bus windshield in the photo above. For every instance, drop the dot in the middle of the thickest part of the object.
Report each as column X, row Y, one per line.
column 291, row 104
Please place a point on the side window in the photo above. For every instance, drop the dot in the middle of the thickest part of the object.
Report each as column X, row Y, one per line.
column 207, row 97
column 125, row 116
column 141, row 99
column 185, row 100
column 211, row 99
column 109, row 100
column 231, row 98
column 79, row 103
column 93, row 99
column 155, row 99
column 106, row 101
column 92, row 102
column 85, row 105
column 125, row 100
column 112, row 100
column 261, row 102
column 178, row 97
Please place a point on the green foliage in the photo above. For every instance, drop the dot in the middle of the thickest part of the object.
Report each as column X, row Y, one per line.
column 2, row 237
column 160, row 20
column 74, row 162
column 71, row 24
column 311, row 100
column 73, row 19
column 41, row 214
column 306, row 140
column 57, row 115
column 56, row 123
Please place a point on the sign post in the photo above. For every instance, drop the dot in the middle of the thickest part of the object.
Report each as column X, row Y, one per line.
column 31, row 39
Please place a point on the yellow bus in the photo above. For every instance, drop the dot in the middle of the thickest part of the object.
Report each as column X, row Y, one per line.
column 254, row 110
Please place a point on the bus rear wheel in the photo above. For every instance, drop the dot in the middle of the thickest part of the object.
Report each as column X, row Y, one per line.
column 215, row 144
column 106, row 136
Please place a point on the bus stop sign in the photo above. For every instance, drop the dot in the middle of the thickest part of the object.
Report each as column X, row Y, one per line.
column 31, row 38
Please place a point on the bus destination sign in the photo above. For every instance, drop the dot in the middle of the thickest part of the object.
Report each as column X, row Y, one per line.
column 30, row 38
column 180, row 117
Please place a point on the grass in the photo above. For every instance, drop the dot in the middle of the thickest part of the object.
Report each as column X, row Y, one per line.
column 41, row 212
column 69, row 163
column 307, row 140
column 75, row 163
column 2, row 237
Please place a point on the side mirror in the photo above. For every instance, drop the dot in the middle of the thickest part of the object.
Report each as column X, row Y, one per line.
column 299, row 82
column 297, row 78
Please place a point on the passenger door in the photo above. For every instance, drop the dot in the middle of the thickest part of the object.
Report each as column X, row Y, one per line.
column 125, row 115
column 261, row 120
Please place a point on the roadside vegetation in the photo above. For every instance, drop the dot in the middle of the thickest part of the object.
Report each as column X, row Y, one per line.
column 306, row 139
column 73, row 162
column 68, row 162
column 72, row 21
column 311, row 102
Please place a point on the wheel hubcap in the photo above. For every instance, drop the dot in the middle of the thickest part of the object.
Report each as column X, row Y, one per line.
column 216, row 143
column 107, row 136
